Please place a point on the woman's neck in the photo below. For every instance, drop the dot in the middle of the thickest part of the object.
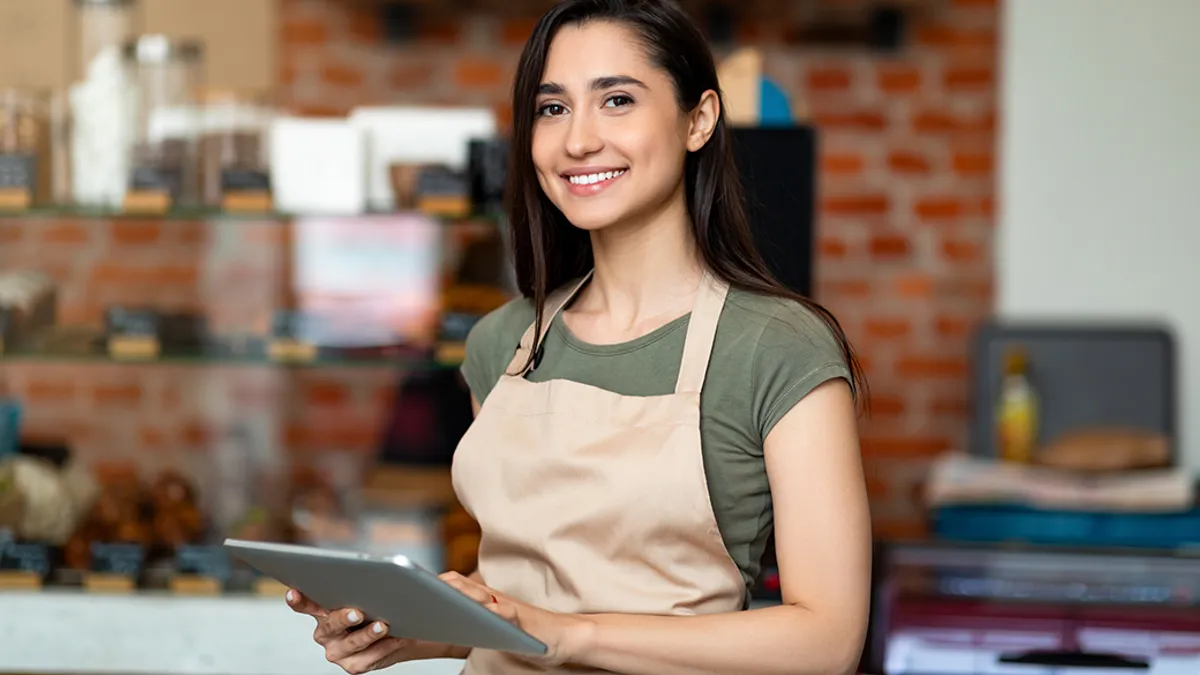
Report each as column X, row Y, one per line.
column 644, row 271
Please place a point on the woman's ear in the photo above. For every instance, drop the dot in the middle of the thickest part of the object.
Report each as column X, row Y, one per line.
column 703, row 120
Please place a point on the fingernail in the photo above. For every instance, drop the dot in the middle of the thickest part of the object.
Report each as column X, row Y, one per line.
column 353, row 617
column 291, row 596
column 378, row 628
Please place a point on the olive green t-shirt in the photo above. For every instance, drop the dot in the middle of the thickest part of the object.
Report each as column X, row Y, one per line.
column 768, row 354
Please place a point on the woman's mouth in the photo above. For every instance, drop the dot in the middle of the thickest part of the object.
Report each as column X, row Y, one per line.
column 587, row 184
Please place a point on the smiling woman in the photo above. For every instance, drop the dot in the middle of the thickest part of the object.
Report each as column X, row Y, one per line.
column 655, row 406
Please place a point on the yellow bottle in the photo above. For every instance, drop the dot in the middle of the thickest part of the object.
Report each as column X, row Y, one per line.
column 1017, row 414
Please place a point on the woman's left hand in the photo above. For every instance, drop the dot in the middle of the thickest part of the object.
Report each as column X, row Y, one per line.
column 559, row 632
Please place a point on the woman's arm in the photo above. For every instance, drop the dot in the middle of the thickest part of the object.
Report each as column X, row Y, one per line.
column 823, row 543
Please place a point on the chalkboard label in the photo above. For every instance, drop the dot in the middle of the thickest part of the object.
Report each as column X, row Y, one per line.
column 204, row 561
column 122, row 559
column 26, row 557
column 243, row 180
column 163, row 179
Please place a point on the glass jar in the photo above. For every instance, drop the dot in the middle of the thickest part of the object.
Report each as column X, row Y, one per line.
column 166, row 76
column 26, row 149
column 98, row 102
column 234, row 151
column 104, row 26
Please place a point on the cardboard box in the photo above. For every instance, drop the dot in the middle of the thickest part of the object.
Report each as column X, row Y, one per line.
column 241, row 38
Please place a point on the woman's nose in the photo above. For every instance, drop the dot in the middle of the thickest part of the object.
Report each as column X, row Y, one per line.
column 583, row 138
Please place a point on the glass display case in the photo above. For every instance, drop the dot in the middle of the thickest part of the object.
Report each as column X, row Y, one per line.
column 175, row 379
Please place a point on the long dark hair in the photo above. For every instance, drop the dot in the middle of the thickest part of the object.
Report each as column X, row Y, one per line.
column 548, row 251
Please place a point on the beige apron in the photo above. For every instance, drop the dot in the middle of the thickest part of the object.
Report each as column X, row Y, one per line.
column 590, row 501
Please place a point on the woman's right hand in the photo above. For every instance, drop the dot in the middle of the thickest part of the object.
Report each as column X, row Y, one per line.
column 359, row 649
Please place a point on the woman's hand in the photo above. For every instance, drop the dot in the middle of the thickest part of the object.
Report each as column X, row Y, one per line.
column 359, row 649
column 562, row 634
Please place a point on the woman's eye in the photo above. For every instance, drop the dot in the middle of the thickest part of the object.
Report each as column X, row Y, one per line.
column 618, row 101
column 551, row 109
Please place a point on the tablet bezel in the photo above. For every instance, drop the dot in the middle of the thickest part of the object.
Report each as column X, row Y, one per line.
column 343, row 579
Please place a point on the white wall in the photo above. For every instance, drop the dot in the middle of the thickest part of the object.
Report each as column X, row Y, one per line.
column 1100, row 180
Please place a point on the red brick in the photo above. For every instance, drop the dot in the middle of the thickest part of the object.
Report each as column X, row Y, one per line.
column 887, row 328
column 903, row 529
column 850, row 120
column 325, row 394
column 308, row 33
column 938, row 122
column 67, row 233
column 478, row 73
column 907, row 447
column 909, row 162
column 832, row 247
column 135, row 232
column 956, row 408
column 828, row 79
column 10, row 235
column 411, row 76
column 516, row 32
column 939, row 209
column 843, row 164
column 165, row 275
column 945, row 36
column 440, row 31
column 915, row 286
column 857, row 205
column 364, row 25
column 890, row 247
column 887, row 406
column 338, row 75
column 953, row 326
column 898, row 79
column 118, row 394
column 44, row 392
column 969, row 79
column 846, row 288
column 962, row 251
column 971, row 164
column 197, row 434
column 153, row 439
column 925, row 367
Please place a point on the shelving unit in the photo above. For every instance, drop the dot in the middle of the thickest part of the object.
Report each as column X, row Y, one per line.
column 72, row 633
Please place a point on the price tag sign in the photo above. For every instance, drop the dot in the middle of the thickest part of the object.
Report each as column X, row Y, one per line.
column 133, row 336
column 18, row 176
column 118, row 559
column 27, row 557
column 245, row 191
column 203, row 561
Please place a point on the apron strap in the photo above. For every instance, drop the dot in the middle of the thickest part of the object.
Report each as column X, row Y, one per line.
column 555, row 302
column 701, row 333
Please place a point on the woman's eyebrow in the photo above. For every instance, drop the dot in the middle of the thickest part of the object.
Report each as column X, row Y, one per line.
column 597, row 84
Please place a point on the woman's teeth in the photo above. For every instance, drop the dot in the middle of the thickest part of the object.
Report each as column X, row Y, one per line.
column 594, row 177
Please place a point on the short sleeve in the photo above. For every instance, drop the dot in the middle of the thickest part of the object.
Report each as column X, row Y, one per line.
column 796, row 353
column 491, row 344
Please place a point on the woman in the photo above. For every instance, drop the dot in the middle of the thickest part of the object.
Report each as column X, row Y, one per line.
column 656, row 405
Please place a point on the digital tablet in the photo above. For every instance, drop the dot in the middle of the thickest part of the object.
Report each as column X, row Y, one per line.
column 414, row 602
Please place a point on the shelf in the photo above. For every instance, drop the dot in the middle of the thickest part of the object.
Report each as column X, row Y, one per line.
column 194, row 214
column 161, row 634
column 57, row 633
column 404, row 363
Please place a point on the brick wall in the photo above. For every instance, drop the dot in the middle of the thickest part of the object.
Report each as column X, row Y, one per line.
column 906, row 184
column 905, row 235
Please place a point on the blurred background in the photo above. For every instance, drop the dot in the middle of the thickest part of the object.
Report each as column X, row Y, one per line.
column 242, row 242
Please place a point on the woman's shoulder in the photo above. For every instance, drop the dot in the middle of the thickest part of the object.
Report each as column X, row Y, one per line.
column 778, row 320
column 491, row 344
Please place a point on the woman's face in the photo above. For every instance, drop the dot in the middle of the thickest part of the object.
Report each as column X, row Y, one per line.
column 609, row 140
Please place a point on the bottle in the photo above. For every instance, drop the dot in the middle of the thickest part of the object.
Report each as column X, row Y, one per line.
column 1017, row 414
